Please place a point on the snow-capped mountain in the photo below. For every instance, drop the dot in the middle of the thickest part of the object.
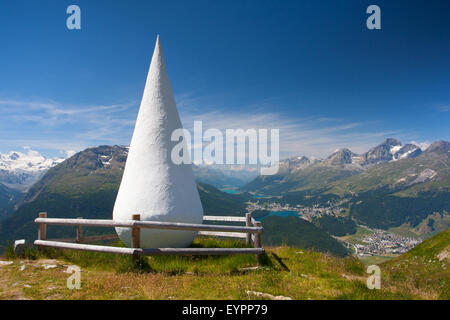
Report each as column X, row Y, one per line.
column 21, row 170
column 387, row 151
column 390, row 150
column 342, row 157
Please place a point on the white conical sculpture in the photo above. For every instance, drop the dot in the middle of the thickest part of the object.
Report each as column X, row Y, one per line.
column 152, row 185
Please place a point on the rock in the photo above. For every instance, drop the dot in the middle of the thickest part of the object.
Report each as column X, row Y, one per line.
column 19, row 247
column 267, row 296
column 49, row 266
column 22, row 268
column 252, row 269
column 6, row 263
column 444, row 254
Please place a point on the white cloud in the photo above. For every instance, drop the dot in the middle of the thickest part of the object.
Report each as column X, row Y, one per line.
column 312, row 137
column 49, row 125
column 69, row 153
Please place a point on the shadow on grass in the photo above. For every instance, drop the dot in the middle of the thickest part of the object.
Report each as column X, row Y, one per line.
column 170, row 265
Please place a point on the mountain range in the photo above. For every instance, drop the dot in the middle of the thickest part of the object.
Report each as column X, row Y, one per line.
column 385, row 187
column 19, row 170
column 86, row 185
column 302, row 173
column 222, row 176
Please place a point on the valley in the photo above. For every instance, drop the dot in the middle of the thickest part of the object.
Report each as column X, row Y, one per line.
column 379, row 204
column 363, row 244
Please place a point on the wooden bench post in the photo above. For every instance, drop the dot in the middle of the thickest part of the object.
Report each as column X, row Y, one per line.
column 248, row 223
column 136, row 237
column 42, row 231
column 79, row 232
column 258, row 242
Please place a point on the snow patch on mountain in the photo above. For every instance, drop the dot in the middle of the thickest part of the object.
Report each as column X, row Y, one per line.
column 393, row 151
column 20, row 170
column 425, row 175
column 407, row 153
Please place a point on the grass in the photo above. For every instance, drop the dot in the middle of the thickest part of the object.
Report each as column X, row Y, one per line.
column 356, row 238
column 375, row 259
column 423, row 268
column 405, row 230
column 226, row 264
column 287, row 271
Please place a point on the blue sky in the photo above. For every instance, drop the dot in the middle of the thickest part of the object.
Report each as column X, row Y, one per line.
column 310, row 68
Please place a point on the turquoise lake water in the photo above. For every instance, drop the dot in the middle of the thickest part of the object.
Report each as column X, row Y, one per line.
column 230, row 191
column 237, row 191
column 255, row 196
column 284, row 214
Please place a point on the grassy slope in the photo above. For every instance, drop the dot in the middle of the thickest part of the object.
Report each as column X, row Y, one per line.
column 384, row 196
column 8, row 197
column 296, row 232
column 392, row 174
column 303, row 274
column 423, row 268
column 316, row 177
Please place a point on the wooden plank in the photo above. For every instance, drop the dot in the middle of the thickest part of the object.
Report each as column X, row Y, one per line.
column 147, row 224
column 84, row 247
column 224, row 218
column 136, row 233
column 248, row 223
column 85, row 222
column 153, row 251
column 223, row 234
column 258, row 242
column 79, row 232
column 195, row 227
column 136, row 237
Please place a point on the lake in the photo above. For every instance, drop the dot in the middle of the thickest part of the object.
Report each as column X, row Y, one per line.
column 284, row 214
column 257, row 196
column 230, row 190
